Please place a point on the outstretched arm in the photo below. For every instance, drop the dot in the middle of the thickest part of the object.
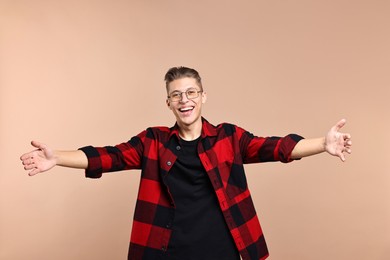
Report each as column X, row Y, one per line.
column 335, row 143
column 44, row 158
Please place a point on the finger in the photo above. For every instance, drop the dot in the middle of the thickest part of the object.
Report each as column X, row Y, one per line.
column 346, row 136
column 28, row 159
column 33, row 172
column 27, row 156
column 29, row 167
column 339, row 124
column 342, row 157
column 38, row 145
column 347, row 149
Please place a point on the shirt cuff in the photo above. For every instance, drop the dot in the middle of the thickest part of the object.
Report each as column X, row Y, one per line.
column 287, row 146
column 94, row 169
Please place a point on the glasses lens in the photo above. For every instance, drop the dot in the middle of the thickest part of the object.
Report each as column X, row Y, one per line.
column 175, row 96
column 192, row 93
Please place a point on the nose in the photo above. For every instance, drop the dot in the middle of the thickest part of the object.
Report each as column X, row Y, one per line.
column 184, row 98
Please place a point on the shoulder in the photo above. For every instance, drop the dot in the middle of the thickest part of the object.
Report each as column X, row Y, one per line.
column 153, row 132
column 225, row 128
column 158, row 131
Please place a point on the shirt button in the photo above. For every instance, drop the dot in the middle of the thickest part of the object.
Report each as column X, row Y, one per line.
column 178, row 147
column 163, row 248
column 169, row 163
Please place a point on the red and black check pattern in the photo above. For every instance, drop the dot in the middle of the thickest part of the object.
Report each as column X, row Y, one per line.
column 223, row 150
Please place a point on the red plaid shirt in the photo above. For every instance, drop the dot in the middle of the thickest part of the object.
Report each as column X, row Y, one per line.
column 223, row 150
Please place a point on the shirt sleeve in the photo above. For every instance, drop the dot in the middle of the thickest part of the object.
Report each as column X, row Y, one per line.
column 124, row 156
column 266, row 149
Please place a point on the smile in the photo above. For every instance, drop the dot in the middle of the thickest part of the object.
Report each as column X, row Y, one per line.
column 186, row 109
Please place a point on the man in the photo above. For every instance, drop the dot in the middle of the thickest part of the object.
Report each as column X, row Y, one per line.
column 193, row 200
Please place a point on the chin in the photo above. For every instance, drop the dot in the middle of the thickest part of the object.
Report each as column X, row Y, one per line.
column 187, row 121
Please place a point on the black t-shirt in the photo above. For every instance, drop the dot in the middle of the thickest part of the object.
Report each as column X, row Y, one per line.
column 199, row 228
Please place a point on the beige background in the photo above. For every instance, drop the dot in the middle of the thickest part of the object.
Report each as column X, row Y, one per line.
column 74, row 73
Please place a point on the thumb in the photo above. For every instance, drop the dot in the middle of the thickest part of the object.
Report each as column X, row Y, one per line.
column 340, row 124
column 38, row 145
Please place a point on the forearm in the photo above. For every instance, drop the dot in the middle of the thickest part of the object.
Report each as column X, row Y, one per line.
column 72, row 159
column 308, row 147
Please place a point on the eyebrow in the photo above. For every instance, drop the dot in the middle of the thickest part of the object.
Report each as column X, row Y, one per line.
column 184, row 90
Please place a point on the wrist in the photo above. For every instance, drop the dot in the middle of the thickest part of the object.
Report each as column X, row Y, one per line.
column 56, row 158
column 323, row 144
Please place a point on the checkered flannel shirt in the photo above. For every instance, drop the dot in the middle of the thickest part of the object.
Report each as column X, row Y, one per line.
column 223, row 149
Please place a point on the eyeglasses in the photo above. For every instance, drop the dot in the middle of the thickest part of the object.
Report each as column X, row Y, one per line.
column 191, row 93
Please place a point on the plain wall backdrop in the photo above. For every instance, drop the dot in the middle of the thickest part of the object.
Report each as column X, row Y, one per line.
column 74, row 73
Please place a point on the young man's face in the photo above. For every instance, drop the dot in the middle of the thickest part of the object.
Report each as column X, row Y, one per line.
column 186, row 110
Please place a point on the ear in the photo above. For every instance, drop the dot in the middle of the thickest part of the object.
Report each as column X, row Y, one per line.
column 168, row 103
column 204, row 97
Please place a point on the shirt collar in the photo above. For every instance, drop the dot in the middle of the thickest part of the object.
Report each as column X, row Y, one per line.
column 207, row 129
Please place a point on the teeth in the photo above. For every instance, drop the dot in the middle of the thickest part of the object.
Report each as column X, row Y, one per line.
column 185, row 109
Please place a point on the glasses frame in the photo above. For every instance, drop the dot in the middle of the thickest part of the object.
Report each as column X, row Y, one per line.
column 182, row 92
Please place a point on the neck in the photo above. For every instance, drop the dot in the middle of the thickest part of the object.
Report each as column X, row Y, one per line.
column 190, row 132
